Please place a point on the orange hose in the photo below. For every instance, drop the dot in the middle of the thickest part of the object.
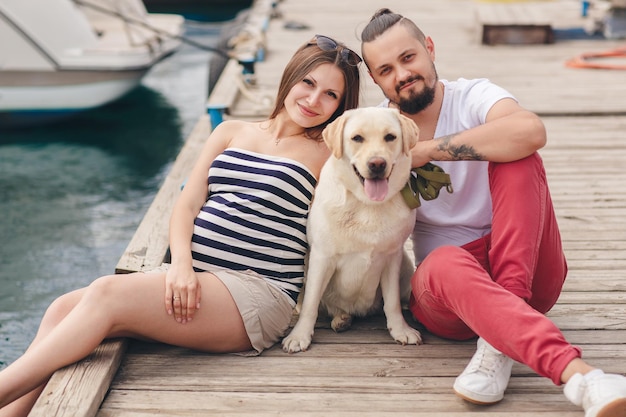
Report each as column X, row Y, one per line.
column 582, row 60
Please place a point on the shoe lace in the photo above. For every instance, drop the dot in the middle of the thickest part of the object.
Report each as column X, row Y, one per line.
column 486, row 362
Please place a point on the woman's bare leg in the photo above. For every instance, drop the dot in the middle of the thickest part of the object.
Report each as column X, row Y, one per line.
column 125, row 306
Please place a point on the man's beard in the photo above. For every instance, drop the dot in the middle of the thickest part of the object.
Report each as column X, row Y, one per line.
column 417, row 101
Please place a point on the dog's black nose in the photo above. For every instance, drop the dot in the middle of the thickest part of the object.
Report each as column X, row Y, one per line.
column 377, row 166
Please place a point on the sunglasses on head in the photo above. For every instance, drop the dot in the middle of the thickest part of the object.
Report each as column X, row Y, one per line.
column 328, row 44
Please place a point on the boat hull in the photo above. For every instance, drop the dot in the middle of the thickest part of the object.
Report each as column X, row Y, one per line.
column 64, row 90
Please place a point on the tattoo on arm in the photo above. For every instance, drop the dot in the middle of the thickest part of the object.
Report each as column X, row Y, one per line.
column 458, row 152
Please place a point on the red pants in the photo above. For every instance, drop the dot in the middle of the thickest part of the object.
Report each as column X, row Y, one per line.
column 501, row 286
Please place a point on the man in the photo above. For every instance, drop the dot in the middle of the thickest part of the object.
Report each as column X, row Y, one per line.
column 489, row 256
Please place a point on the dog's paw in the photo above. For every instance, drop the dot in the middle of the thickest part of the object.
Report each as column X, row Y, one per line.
column 296, row 342
column 341, row 322
column 406, row 335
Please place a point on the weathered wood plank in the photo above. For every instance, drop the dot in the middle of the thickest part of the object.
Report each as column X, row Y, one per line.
column 593, row 250
column 589, row 281
column 595, row 297
column 329, row 383
column 88, row 382
column 589, row 316
column 286, row 403
column 332, row 384
column 589, row 235
column 443, row 357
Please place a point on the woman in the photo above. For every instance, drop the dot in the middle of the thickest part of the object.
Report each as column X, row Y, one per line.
column 237, row 245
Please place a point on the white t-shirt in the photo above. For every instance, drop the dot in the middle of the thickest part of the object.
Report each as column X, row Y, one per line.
column 464, row 215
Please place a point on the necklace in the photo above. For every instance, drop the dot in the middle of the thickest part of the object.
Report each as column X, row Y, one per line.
column 278, row 139
column 278, row 131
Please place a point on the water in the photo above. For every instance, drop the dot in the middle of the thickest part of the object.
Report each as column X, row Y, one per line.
column 73, row 193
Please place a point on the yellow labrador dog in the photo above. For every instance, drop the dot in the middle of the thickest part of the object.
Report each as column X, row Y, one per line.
column 358, row 225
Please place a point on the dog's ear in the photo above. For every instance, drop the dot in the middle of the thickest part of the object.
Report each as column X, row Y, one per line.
column 333, row 135
column 410, row 132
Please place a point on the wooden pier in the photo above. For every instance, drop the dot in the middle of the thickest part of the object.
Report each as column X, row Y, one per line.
column 363, row 372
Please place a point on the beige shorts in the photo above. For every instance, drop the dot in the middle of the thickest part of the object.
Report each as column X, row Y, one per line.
column 266, row 310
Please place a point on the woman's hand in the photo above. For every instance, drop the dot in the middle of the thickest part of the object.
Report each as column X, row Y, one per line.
column 182, row 293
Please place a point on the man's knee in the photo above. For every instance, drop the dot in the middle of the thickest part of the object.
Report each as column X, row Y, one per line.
column 441, row 268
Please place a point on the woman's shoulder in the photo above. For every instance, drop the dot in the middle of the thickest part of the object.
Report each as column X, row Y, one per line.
column 230, row 132
column 234, row 126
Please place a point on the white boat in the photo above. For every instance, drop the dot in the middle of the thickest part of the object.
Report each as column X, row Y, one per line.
column 63, row 56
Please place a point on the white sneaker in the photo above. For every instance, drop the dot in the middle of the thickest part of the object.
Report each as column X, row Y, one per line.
column 600, row 394
column 486, row 376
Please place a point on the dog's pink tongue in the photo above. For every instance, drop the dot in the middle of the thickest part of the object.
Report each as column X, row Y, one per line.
column 376, row 190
